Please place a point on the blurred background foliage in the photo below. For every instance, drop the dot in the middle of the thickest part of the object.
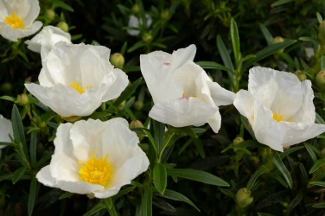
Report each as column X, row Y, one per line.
column 289, row 183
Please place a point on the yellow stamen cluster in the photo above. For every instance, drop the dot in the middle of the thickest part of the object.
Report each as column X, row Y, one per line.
column 78, row 87
column 276, row 117
column 96, row 171
column 14, row 21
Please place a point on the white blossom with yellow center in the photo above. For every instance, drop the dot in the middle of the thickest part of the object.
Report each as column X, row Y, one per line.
column 279, row 108
column 77, row 78
column 94, row 157
column 17, row 18
column 181, row 90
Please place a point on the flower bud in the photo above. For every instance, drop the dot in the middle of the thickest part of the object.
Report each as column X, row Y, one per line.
column 22, row 100
column 164, row 15
column 137, row 124
column 320, row 80
column 135, row 9
column 276, row 40
column 138, row 105
column 243, row 198
column 117, row 60
column 63, row 26
column 50, row 14
column 121, row 106
column 41, row 124
column 6, row 87
column 147, row 37
column 301, row 76
column 237, row 140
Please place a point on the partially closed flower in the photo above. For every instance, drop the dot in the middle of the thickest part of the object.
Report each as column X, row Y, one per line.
column 279, row 108
column 94, row 157
column 5, row 131
column 47, row 38
column 135, row 23
column 17, row 18
column 181, row 90
column 76, row 79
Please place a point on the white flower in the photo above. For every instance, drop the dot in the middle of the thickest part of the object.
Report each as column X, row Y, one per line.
column 279, row 108
column 17, row 18
column 94, row 157
column 181, row 90
column 134, row 23
column 47, row 38
column 5, row 131
column 76, row 79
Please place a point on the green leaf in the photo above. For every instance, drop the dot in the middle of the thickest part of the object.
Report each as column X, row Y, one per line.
column 127, row 92
column 322, row 63
column 18, row 128
column 317, row 183
column 65, row 195
column 160, row 178
column 310, row 151
column 213, row 65
column 8, row 98
column 270, row 50
column 267, row 34
column 235, row 40
column 146, row 204
column 173, row 195
column 18, row 174
column 63, row 5
column 264, row 214
column 152, row 140
column 317, row 165
column 224, row 53
column 159, row 132
column 228, row 193
column 189, row 131
column 199, row 176
column 281, row 2
column 260, row 171
column 95, row 209
column 282, row 168
column 136, row 46
column 32, row 195
column 319, row 205
column 33, row 148
column 199, row 147
column 308, row 39
column 108, row 203
column 290, row 150
column 319, row 119
column 295, row 201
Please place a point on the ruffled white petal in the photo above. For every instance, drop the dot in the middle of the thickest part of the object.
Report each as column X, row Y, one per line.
column 5, row 130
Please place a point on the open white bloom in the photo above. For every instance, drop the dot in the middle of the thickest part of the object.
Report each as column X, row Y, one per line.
column 181, row 90
column 47, row 38
column 5, row 131
column 94, row 157
column 279, row 108
column 77, row 78
column 134, row 23
column 17, row 18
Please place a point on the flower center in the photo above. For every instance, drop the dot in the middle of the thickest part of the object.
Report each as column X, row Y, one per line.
column 96, row 170
column 14, row 21
column 276, row 117
column 78, row 87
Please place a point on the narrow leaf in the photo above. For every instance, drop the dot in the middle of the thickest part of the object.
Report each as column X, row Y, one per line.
column 224, row 53
column 146, row 204
column 32, row 195
column 199, row 176
column 127, row 92
column 95, row 209
column 317, row 165
column 33, row 148
column 310, row 151
column 18, row 128
column 160, row 178
column 260, row 171
column 65, row 195
column 213, row 65
column 295, row 201
column 173, row 195
column 267, row 34
column 283, row 169
column 235, row 40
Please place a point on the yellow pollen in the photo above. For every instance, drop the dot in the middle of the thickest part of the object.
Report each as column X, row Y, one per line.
column 96, row 171
column 78, row 87
column 14, row 21
column 276, row 117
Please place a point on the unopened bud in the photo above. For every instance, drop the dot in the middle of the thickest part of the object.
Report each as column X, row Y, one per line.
column 137, row 124
column 63, row 26
column 147, row 37
column 238, row 140
column 50, row 14
column 135, row 9
column 243, row 198
column 121, row 106
column 22, row 100
column 320, row 80
column 41, row 124
column 165, row 15
column 301, row 76
column 276, row 40
column 6, row 87
column 117, row 60
column 138, row 105
column 91, row 196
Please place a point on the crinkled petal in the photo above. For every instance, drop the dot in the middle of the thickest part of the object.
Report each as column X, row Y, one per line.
column 183, row 112
column 5, row 130
column 215, row 122
column 244, row 103
column 220, row 95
